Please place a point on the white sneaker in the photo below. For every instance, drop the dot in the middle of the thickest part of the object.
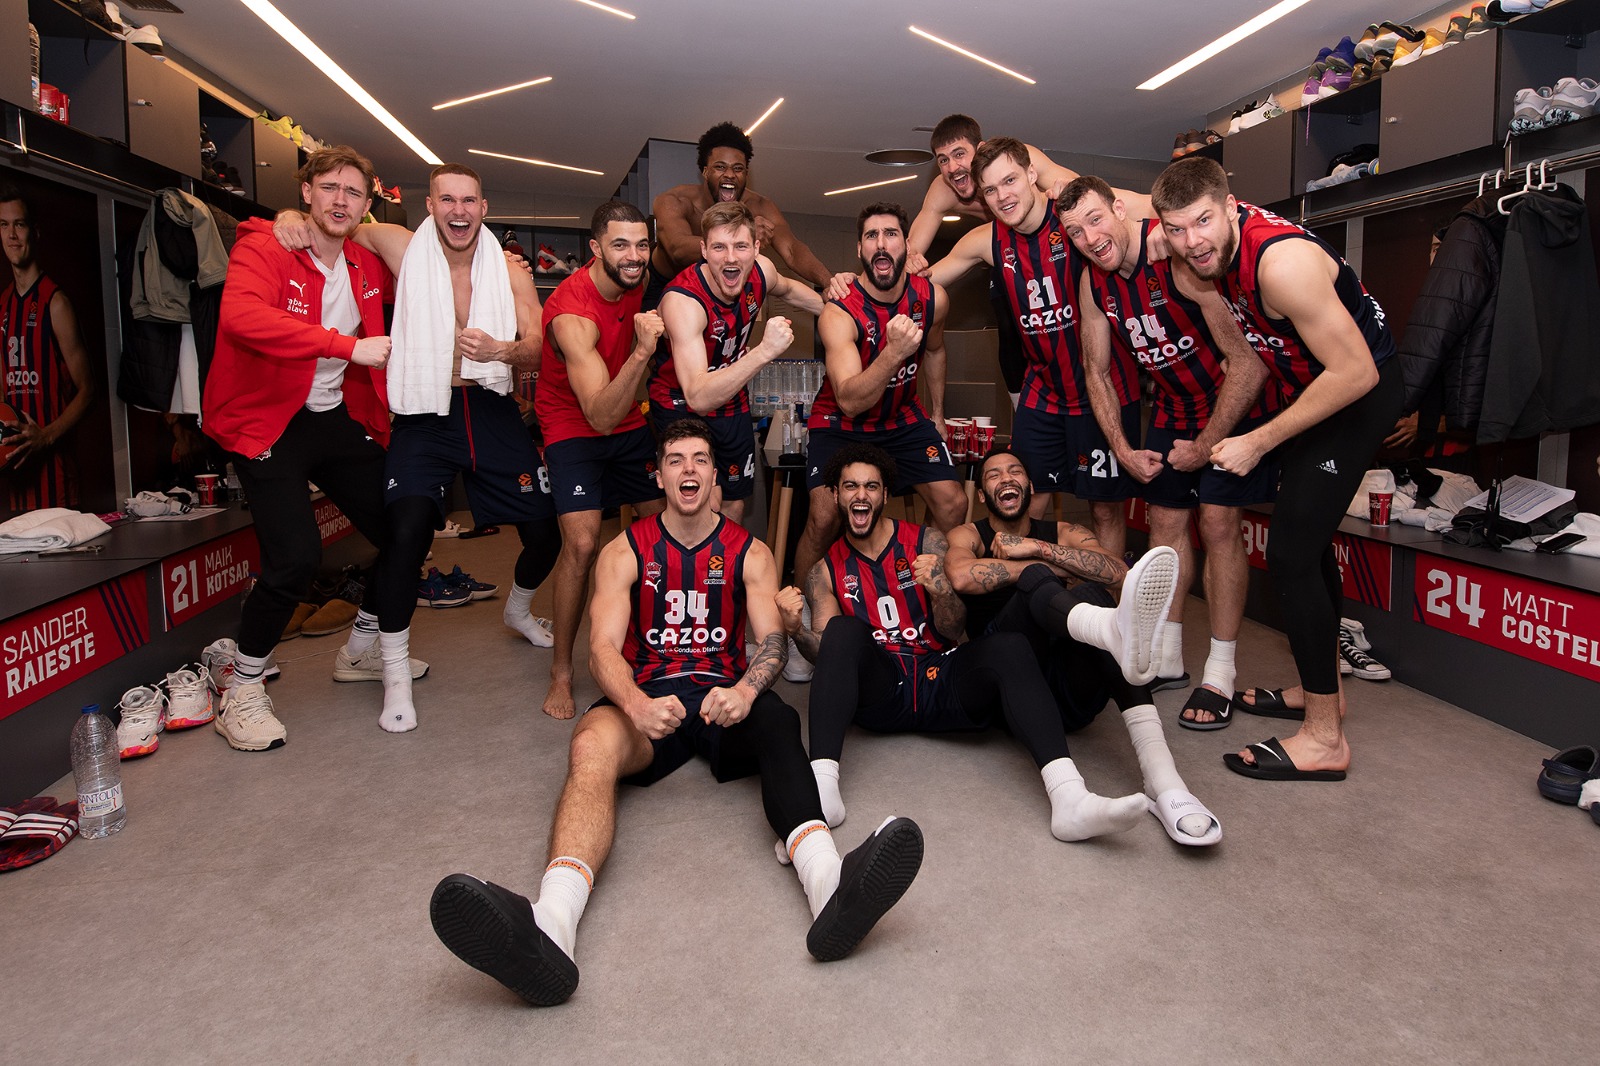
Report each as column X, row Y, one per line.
column 1266, row 111
column 144, row 714
column 798, row 669
column 368, row 666
column 1528, row 109
column 189, row 699
column 246, row 720
column 1572, row 99
column 217, row 659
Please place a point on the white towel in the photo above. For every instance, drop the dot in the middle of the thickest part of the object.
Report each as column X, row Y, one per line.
column 422, row 359
column 46, row 528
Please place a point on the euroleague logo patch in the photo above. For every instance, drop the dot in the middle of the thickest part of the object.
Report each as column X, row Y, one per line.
column 524, row 482
column 1152, row 285
column 931, row 673
column 714, row 575
column 933, row 454
column 750, row 305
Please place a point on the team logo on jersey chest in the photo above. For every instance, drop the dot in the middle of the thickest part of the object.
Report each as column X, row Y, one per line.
column 652, row 575
column 1008, row 259
column 1111, row 307
column 719, row 330
column 852, row 588
column 1152, row 285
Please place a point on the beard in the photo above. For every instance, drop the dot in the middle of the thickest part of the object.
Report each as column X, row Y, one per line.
column 615, row 274
column 868, row 274
column 1022, row 506
column 872, row 525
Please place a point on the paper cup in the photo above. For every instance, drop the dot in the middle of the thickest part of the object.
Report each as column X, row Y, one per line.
column 1378, row 505
column 206, row 484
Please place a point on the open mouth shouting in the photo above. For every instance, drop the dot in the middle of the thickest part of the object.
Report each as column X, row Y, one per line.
column 1104, row 253
column 862, row 517
column 689, row 492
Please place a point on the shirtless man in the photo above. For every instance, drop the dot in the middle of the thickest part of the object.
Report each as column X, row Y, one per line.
column 724, row 160
column 709, row 310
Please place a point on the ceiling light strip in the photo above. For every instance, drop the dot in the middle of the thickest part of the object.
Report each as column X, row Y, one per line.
column 1223, row 43
column 764, row 116
column 529, row 218
column 281, row 25
column 873, row 185
column 924, row 34
column 608, row 10
column 491, row 92
column 537, row 162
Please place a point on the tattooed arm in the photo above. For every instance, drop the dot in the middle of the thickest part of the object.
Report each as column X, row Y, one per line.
column 971, row 574
column 824, row 608
column 729, row 705
column 1076, row 552
column 949, row 612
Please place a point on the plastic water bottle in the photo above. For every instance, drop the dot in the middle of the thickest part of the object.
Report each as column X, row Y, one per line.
column 97, row 770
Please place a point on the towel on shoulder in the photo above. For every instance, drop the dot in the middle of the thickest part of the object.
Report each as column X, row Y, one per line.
column 422, row 359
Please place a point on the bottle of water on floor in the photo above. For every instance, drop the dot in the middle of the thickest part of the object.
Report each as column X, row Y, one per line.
column 97, row 770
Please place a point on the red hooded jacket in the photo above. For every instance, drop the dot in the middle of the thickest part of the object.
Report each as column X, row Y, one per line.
column 270, row 337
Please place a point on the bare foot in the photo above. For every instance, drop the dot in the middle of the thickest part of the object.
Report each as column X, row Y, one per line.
column 1199, row 715
column 1308, row 753
column 1293, row 698
column 558, row 701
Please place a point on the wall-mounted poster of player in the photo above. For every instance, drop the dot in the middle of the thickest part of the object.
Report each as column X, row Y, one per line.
column 55, row 438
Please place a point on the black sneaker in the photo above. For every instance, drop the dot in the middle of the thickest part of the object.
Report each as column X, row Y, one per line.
column 492, row 929
column 872, row 878
column 1362, row 665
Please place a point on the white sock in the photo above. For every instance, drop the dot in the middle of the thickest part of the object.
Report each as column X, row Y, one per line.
column 398, row 716
column 1171, row 649
column 827, row 773
column 1220, row 671
column 1095, row 626
column 1155, row 763
column 1078, row 814
column 518, row 615
column 816, row 860
column 363, row 635
column 250, row 669
column 563, row 894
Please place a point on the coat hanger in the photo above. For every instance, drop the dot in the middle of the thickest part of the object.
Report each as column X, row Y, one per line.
column 1545, row 183
column 1498, row 176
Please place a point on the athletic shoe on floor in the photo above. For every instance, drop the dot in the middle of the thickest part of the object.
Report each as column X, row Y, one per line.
column 459, row 578
column 492, row 930
column 217, row 659
column 339, row 609
column 246, row 720
column 872, row 878
column 189, row 699
column 368, row 666
column 433, row 592
column 1362, row 665
column 1356, row 632
column 144, row 715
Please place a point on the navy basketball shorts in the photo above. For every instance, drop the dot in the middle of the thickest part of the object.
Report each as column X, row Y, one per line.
column 597, row 473
column 733, row 445
column 1069, row 453
column 920, row 455
column 1179, row 489
column 483, row 439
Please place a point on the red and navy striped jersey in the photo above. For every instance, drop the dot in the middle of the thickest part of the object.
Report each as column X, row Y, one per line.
column 1275, row 339
column 1039, row 272
column 727, row 336
column 1166, row 332
column 884, row 593
column 688, row 604
column 899, row 405
column 38, row 386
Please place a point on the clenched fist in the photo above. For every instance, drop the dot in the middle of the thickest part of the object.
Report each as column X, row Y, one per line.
column 647, row 329
column 791, row 601
column 371, row 351
column 903, row 337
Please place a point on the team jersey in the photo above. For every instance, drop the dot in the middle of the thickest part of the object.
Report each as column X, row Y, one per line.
column 727, row 337
column 1274, row 339
column 688, row 604
column 560, row 415
column 1155, row 324
column 1039, row 272
column 37, row 386
column 884, row 593
column 898, row 406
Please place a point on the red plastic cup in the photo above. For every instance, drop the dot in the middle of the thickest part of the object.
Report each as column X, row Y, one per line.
column 1378, row 504
column 206, row 484
column 981, row 441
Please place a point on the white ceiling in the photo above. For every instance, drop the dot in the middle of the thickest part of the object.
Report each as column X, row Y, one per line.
column 853, row 77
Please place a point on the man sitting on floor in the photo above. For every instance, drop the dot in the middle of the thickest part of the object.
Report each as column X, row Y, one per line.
column 671, row 601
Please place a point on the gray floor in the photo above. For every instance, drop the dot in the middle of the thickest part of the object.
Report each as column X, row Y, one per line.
column 273, row 907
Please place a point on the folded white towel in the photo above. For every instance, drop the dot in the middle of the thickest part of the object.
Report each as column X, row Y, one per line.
column 46, row 528
column 423, row 356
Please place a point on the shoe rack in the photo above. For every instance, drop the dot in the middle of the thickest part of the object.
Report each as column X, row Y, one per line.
column 131, row 116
